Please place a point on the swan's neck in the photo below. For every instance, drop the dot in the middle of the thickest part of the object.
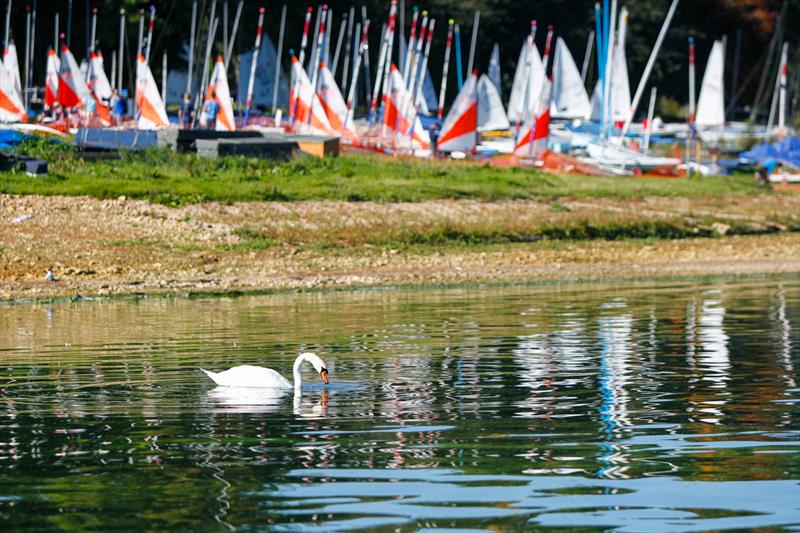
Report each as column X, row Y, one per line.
column 298, row 378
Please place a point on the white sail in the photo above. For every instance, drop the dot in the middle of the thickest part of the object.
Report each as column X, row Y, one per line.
column 570, row 99
column 620, row 103
column 711, row 105
column 491, row 115
column 265, row 76
column 528, row 78
column 494, row 68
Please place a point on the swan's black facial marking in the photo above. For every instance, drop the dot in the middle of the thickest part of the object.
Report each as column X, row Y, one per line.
column 324, row 374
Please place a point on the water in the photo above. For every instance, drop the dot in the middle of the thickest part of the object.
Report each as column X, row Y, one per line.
column 671, row 406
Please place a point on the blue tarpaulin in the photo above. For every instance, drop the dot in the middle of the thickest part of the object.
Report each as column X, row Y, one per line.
column 787, row 151
column 11, row 138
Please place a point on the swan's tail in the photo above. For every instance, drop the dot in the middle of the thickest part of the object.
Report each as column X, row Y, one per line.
column 212, row 375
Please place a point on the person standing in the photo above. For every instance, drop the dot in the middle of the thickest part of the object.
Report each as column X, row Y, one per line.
column 211, row 110
column 186, row 112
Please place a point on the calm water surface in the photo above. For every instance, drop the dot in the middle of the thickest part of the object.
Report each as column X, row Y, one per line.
column 639, row 407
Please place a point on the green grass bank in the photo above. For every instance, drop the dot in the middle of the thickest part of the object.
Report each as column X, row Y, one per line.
column 165, row 177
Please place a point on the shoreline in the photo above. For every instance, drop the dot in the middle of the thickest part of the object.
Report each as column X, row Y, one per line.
column 131, row 247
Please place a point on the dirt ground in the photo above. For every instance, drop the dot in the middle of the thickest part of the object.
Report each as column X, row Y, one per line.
column 102, row 247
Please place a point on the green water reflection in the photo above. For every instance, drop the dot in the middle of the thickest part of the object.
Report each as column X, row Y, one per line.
column 640, row 406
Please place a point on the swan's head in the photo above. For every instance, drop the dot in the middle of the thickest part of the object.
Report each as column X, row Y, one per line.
column 317, row 363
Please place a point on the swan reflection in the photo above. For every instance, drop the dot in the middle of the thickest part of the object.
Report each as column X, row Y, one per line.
column 247, row 399
column 268, row 401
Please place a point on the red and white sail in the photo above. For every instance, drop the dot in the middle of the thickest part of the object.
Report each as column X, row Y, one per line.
column 152, row 114
column 72, row 88
column 11, row 62
column 218, row 89
column 98, row 81
column 51, row 79
column 460, row 129
column 532, row 140
column 305, row 106
column 399, row 129
column 11, row 107
column 332, row 102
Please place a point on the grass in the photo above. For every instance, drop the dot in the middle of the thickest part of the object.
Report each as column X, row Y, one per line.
column 169, row 178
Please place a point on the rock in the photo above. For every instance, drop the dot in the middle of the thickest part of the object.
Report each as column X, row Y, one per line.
column 720, row 229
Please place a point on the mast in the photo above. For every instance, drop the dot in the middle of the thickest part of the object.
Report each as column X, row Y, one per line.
column 25, row 72
column 347, row 47
column 251, row 81
column 376, row 88
column 93, row 38
column 459, row 75
column 737, row 53
column 342, row 30
column 121, row 50
column 278, row 60
column 411, row 41
column 356, row 65
column 304, row 40
column 473, row 41
column 8, row 24
column 548, row 42
column 150, row 34
column 420, row 85
column 390, row 29
column 650, row 111
column 232, row 40
column 587, row 56
column 445, row 68
column 318, row 55
column 691, row 134
column 649, row 67
column 192, row 32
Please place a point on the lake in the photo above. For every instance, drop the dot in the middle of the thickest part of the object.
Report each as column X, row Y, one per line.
column 635, row 406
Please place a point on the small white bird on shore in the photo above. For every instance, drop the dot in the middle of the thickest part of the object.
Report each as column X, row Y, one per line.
column 49, row 276
column 257, row 376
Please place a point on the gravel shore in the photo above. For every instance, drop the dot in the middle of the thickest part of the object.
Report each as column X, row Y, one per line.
column 103, row 247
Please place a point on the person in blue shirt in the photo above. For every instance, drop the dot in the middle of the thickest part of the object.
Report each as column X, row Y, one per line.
column 766, row 170
column 186, row 112
column 211, row 109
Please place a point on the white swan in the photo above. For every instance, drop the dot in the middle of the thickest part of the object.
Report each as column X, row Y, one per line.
column 257, row 376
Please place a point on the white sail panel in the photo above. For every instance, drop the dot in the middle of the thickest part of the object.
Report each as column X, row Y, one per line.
column 529, row 79
column 711, row 105
column 491, row 115
column 620, row 101
column 570, row 99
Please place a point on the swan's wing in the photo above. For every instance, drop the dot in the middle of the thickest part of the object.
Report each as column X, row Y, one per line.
column 251, row 376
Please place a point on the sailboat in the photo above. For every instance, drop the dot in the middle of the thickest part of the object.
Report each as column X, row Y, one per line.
column 460, row 129
column 570, row 100
column 265, row 76
column 528, row 82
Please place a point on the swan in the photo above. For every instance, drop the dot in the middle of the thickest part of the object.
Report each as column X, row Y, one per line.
column 257, row 376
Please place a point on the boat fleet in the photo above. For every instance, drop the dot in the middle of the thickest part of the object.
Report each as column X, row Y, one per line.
column 394, row 107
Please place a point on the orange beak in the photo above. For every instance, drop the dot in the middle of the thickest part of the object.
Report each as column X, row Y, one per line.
column 324, row 375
